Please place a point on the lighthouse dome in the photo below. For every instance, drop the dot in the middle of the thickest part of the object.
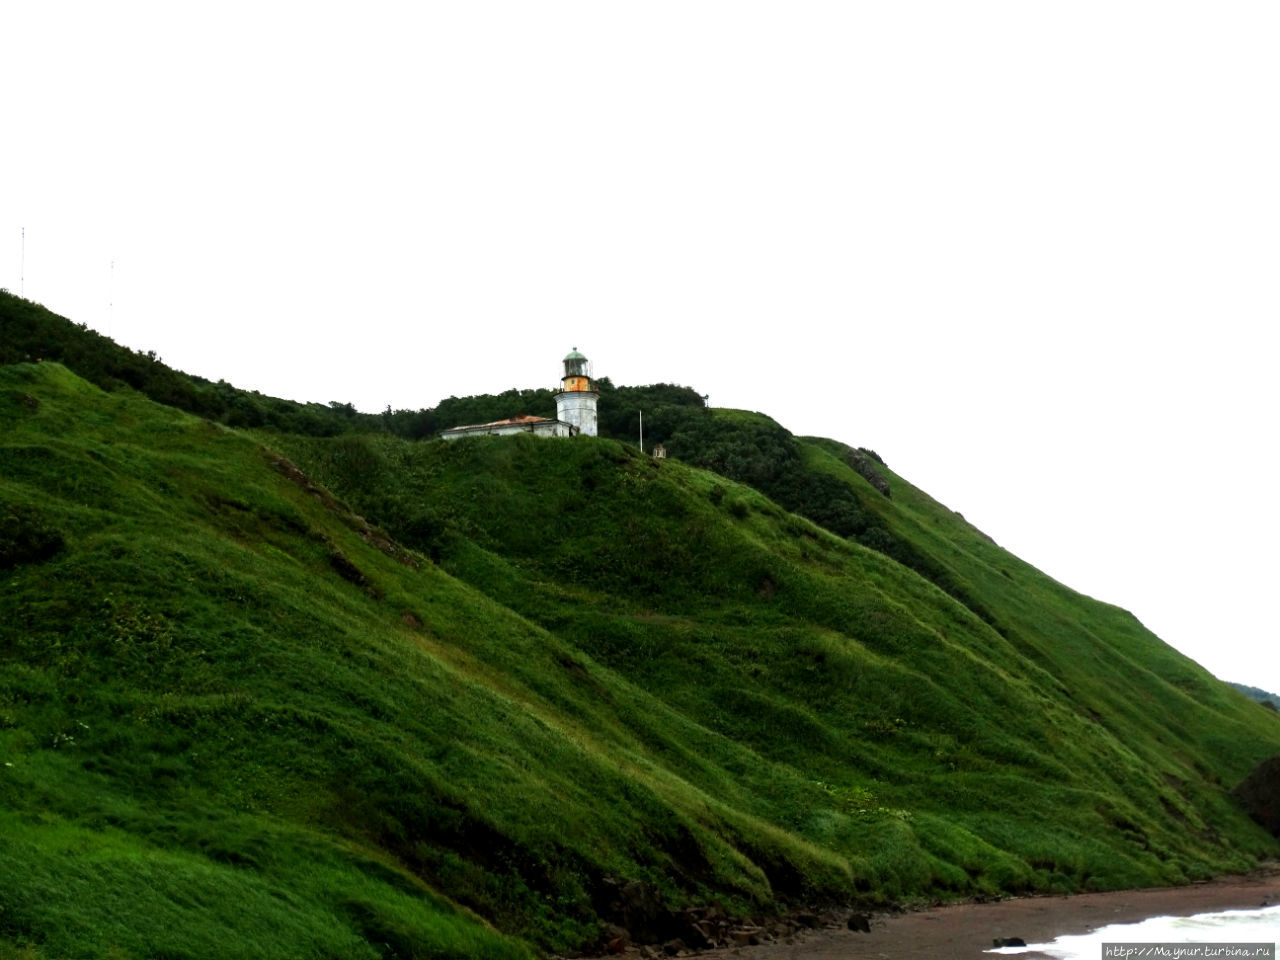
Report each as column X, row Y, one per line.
column 576, row 366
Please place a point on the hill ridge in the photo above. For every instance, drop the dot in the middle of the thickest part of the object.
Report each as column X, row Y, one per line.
column 454, row 698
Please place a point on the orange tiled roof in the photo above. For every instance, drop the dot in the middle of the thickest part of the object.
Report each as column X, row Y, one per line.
column 523, row 418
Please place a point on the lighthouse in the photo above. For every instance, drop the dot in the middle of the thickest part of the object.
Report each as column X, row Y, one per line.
column 576, row 401
column 575, row 409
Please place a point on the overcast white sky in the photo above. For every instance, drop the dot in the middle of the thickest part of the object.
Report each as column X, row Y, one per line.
column 1026, row 251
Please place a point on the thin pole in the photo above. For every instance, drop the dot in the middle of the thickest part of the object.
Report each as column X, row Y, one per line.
column 22, row 270
column 642, row 431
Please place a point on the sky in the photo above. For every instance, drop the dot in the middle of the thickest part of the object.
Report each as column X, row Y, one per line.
column 1025, row 251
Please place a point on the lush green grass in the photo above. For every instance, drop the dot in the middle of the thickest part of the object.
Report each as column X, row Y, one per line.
column 1050, row 726
column 237, row 720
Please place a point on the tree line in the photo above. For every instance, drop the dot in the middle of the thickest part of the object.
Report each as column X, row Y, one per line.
column 750, row 449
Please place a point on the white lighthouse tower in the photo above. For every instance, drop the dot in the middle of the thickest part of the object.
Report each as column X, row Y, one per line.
column 576, row 401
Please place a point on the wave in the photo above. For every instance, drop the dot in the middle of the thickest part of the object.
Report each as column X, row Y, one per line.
column 1228, row 926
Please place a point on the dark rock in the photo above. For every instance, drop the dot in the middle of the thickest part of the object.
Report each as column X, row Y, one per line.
column 715, row 913
column 698, row 936
column 616, row 945
column 345, row 568
column 745, row 937
column 1008, row 942
column 861, row 464
column 640, row 911
column 1259, row 794
column 859, row 921
column 673, row 947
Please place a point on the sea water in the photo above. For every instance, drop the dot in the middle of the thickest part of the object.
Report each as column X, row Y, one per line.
column 1230, row 926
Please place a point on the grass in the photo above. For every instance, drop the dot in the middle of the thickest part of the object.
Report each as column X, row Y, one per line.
column 238, row 717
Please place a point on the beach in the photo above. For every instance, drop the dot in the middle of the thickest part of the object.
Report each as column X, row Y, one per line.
column 963, row 931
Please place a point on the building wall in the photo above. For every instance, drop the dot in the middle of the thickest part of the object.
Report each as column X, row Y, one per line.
column 578, row 408
column 543, row 428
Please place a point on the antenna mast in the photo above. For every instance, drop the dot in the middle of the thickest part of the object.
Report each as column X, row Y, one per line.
column 642, row 431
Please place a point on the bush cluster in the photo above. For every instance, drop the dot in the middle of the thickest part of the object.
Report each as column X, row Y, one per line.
column 29, row 333
column 25, row 537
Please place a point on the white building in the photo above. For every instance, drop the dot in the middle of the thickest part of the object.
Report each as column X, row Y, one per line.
column 575, row 409
column 538, row 426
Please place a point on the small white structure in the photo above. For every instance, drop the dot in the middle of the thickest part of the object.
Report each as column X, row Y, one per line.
column 578, row 396
column 538, row 426
column 575, row 409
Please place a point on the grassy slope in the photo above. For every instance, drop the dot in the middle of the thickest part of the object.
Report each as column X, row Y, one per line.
column 1060, row 745
column 1106, row 665
column 236, row 721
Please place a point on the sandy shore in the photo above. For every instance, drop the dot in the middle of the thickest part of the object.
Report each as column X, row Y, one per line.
column 964, row 931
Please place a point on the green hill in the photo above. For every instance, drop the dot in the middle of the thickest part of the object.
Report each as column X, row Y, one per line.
column 358, row 696
column 1267, row 699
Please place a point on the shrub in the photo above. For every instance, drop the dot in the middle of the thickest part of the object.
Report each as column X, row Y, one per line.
column 25, row 537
